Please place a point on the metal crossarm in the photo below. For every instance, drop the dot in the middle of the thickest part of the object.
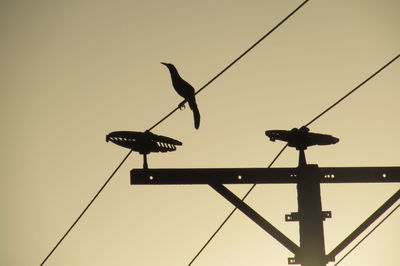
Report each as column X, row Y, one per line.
column 359, row 174
column 205, row 176
column 213, row 175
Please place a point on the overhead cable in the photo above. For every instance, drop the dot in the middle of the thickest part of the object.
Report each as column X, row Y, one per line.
column 168, row 115
column 353, row 90
column 253, row 186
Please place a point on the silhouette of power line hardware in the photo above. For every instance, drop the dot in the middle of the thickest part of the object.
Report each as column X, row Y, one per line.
column 308, row 178
column 143, row 142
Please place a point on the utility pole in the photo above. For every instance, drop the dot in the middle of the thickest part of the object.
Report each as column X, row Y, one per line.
column 310, row 216
column 307, row 177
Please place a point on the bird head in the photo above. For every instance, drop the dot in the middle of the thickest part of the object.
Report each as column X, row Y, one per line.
column 167, row 64
column 171, row 67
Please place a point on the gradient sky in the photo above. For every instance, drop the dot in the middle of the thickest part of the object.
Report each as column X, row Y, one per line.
column 73, row 71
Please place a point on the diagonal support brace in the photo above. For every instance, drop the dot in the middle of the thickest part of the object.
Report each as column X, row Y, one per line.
column 258, row 219
column 381, row 210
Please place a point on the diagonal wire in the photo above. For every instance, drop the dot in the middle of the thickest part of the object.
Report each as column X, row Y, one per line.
column 276, row 157
column 87, row 207
column 233, row 211
column 236, row 60
column 168, row 115
column 367, row 235
column 353, row 90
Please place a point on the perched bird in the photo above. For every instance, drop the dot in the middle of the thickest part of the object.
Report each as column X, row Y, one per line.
column 185, row 90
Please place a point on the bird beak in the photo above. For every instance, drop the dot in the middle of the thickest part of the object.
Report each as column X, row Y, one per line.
column 164, row 63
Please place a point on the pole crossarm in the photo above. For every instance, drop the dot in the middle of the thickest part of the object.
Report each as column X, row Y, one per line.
column 258, row 219
column 190, row 176
column 359, row 174
column 205, row 176
column 371, row 219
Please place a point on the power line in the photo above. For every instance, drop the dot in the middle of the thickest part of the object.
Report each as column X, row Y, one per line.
column 233, row 211
column 234, row 61
column 373, row 229
column 87, row 207
column 168, row 115
column 276, row 157
column 353, row 90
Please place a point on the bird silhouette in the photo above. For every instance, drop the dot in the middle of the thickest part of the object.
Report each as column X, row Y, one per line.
column 185, row 90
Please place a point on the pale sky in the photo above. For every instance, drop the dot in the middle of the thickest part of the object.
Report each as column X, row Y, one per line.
column 73, row 71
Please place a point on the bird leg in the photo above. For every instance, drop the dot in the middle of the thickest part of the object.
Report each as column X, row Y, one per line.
column 182, row 105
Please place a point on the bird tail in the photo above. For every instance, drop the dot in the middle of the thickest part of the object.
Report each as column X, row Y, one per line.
column 196, row 112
